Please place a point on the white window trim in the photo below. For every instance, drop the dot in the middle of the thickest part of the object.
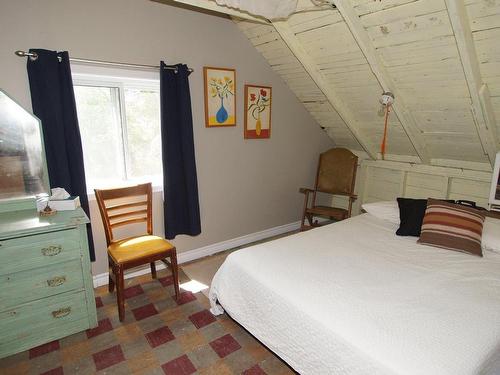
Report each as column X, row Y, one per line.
column 84, row 75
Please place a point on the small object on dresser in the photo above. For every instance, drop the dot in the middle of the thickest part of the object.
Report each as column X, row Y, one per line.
column 47, row 211
column 70, row 203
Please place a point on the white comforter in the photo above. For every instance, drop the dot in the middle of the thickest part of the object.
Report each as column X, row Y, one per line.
column 353, row 298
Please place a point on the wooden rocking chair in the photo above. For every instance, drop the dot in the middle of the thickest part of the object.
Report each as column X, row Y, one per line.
column 336, row 175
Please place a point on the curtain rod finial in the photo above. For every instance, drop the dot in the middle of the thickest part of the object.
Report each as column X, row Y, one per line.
column 32, row 55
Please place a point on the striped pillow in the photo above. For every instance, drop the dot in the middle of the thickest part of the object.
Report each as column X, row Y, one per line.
column 453, row 227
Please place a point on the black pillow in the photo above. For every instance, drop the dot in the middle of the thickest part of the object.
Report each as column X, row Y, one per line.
column 411, row 215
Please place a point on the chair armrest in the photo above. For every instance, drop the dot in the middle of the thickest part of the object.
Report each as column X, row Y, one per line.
column 305, row 190
column 353, row 197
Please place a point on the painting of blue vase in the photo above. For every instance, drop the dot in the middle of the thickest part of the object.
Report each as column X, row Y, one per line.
column 221, row 115
column 220, row 96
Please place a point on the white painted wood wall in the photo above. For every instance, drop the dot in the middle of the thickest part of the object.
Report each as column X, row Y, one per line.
column 385, row 180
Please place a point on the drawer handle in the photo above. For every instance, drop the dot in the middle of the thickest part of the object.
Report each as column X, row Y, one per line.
column 62, row 312
column 52, row 250
column 56, row 281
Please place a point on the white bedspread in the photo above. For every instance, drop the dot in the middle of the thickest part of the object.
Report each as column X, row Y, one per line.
column 354, row 298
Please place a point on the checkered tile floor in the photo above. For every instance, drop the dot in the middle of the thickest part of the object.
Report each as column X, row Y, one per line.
column 158, row 336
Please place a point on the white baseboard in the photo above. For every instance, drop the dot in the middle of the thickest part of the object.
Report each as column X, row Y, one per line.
column 188, row 256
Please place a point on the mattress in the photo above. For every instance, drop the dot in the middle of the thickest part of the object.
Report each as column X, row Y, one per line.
column 354, row 298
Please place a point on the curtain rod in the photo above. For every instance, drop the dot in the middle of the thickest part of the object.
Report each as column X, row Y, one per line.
column 33, row 56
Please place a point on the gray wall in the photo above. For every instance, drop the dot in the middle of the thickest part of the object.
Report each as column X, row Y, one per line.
column 245, row 186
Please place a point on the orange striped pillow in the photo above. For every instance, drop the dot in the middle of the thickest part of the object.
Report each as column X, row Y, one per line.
column 452, row 226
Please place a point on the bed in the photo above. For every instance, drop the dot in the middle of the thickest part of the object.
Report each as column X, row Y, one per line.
column 354, row 298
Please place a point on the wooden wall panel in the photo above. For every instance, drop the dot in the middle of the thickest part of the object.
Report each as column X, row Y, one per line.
column 382, row 180
column 381, row 184
column 477, row 191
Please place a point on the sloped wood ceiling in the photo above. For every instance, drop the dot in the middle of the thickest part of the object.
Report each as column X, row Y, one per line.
column 441, row 59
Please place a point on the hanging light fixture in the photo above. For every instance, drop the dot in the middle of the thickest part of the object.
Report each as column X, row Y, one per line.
column 386, row 101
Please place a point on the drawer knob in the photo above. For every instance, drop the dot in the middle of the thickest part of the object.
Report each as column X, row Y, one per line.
column 52, row 250
column 62, row 312
column 56, row 281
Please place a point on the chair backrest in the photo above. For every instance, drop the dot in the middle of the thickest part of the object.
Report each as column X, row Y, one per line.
column 337, row 172
column 124, row 206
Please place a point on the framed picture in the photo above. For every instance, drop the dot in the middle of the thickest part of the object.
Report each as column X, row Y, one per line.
column 220, row 96
column 257, row 111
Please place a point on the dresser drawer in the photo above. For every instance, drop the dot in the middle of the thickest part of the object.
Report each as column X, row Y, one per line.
column 39, row 319
column 41, row 250
column 25, row 286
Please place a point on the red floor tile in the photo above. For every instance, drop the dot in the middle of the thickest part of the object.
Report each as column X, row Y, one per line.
column 159, row 336
column 104, row 325
column 98, row 302
column 179, row 366
column 145, row 311
column 225, row 345
column 185, row 298
column 44, row 349
column 167, row 280
column 255, row 370
column 202, row 318
column 133, row 291
column 108, row 357
column 54, row 371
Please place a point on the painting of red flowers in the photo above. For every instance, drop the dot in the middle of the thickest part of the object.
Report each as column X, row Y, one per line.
column 257, row 112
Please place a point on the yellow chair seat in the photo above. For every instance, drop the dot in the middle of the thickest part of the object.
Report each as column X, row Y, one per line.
column 137, row 247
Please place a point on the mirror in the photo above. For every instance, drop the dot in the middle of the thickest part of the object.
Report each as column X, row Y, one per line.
column 22, row 163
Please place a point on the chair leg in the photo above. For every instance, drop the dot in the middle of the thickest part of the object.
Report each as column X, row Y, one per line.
column 111, row 282
column 310, row 219
column 153, row 270
column 175, row 272
column 119, row 292
column 111, row 279
column 303, row 221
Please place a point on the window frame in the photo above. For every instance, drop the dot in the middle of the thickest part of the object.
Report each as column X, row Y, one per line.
column 119, row 79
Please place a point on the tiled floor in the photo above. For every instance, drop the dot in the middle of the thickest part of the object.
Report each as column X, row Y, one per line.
column 158, row 336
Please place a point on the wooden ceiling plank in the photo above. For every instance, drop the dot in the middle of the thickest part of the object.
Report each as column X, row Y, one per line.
column 481, row 100
column 376, row 64
column 316, row 75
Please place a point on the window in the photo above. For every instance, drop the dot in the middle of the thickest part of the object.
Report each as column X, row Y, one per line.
column 119, row 122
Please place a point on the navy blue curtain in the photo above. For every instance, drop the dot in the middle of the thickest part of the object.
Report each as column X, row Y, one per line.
column 53, row 101
column 180, row 184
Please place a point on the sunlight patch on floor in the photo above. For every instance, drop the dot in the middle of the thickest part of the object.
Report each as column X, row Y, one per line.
column 193, row 286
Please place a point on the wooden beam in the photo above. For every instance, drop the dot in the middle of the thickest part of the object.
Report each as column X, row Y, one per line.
column 317, row 76
column 376, row 64
column 214, row 7
column 482, row 107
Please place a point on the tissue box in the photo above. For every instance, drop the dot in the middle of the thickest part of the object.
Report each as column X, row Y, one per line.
column 70, row 203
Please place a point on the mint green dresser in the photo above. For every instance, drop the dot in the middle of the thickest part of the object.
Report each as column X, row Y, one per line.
column 46, row 290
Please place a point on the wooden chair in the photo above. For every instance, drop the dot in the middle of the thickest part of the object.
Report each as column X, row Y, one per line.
column 125, row 206
column 336, row 175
